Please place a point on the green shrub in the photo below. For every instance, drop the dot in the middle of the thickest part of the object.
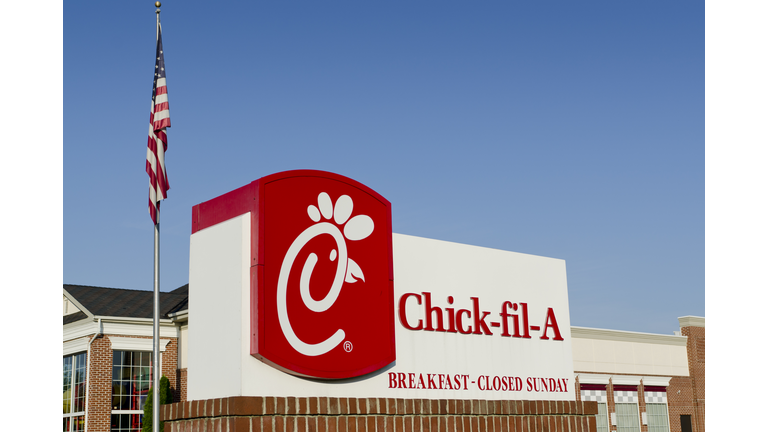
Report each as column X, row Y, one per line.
column 166, row 396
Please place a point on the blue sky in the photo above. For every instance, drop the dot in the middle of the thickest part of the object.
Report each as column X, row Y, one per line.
column 567, row 130
column 571, row 131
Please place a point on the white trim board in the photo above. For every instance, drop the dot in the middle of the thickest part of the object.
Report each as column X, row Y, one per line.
column 626, row 380
column 691, row 321
column 656, row 381
column 135, row 344
column 585, row 378
column 76, row 346
column 627, row 336
column 593, row 378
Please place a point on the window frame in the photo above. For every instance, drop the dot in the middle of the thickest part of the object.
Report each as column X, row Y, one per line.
column 119, row 412
column 597, row 393
column 625, row 396
column 605, row 418
column 619, row 416
column 79, row 360
column 656, row 396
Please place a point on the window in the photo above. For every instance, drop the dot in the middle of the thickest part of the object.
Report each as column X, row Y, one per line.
column 627, row 415
column 74, row 392
column 602, row 417
column 131, row 379
column 597, row 393
column 627, row 409
column 656, row 408
column 657, row 417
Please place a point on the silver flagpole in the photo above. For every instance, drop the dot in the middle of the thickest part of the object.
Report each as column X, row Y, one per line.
column 156, row 332
column 156, row 312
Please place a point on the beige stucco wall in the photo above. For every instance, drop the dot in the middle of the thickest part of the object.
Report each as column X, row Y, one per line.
column 621, row 352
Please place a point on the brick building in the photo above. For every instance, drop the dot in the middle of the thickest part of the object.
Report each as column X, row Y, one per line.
column 108, row 354
column 638, row 381
column 642, row 381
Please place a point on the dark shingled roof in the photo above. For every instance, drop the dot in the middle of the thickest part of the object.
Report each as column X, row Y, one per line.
column 119, row 302
column 77, row 316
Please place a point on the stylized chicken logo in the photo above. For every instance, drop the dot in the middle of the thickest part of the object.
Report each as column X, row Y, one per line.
column 347, row 270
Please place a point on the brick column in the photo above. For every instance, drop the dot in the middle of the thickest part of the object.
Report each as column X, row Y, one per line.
column 99, row 385
column 696, row 362
column 100, row 379
column 181, row 377
column 169, row 365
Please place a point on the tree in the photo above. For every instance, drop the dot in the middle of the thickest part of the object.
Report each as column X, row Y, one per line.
column 166, row 396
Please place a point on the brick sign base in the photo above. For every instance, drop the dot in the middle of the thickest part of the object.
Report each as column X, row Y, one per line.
column 324, row 414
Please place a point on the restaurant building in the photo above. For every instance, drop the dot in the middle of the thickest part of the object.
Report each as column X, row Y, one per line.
column 292, row 322
column 639, row 380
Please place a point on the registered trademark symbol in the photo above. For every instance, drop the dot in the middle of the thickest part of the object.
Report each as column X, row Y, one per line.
column 347, row 346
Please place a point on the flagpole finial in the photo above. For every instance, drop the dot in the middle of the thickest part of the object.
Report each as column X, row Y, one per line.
column 157, row 4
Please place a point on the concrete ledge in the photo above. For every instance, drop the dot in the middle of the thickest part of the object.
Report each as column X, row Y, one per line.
column 691, row 321
column 627, row 336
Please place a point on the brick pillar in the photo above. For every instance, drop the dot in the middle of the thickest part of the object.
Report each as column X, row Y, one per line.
column 100, row 379
column 641, row 406
column 99, row 385
column 181, row 378
column 611, row 404
column 679, row 400
column 693, row 328
column 169, row 364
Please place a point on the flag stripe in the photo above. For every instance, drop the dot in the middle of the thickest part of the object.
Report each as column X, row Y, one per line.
column 162, row 123
column 159, row 119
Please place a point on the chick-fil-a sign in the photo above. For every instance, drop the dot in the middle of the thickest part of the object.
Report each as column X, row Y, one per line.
column 321, row 284
column 298, row 275
column 325, row 291
column 475, row 320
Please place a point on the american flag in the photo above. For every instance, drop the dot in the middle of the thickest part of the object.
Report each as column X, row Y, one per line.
column 157, row 143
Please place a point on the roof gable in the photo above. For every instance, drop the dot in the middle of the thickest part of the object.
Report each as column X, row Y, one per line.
column 118, row 302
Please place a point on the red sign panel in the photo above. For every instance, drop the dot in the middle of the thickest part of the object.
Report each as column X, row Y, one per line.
column 322, row 301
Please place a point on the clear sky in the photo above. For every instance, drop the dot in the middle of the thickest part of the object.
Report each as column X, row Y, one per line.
column 572, row 130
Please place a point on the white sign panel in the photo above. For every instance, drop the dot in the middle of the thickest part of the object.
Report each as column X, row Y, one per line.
column 470, row 323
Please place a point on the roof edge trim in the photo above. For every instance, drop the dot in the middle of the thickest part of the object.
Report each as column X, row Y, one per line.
column 691, row 321
column 182, row 315
column 627, row 336
column 77, row 304
column 130, row 320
